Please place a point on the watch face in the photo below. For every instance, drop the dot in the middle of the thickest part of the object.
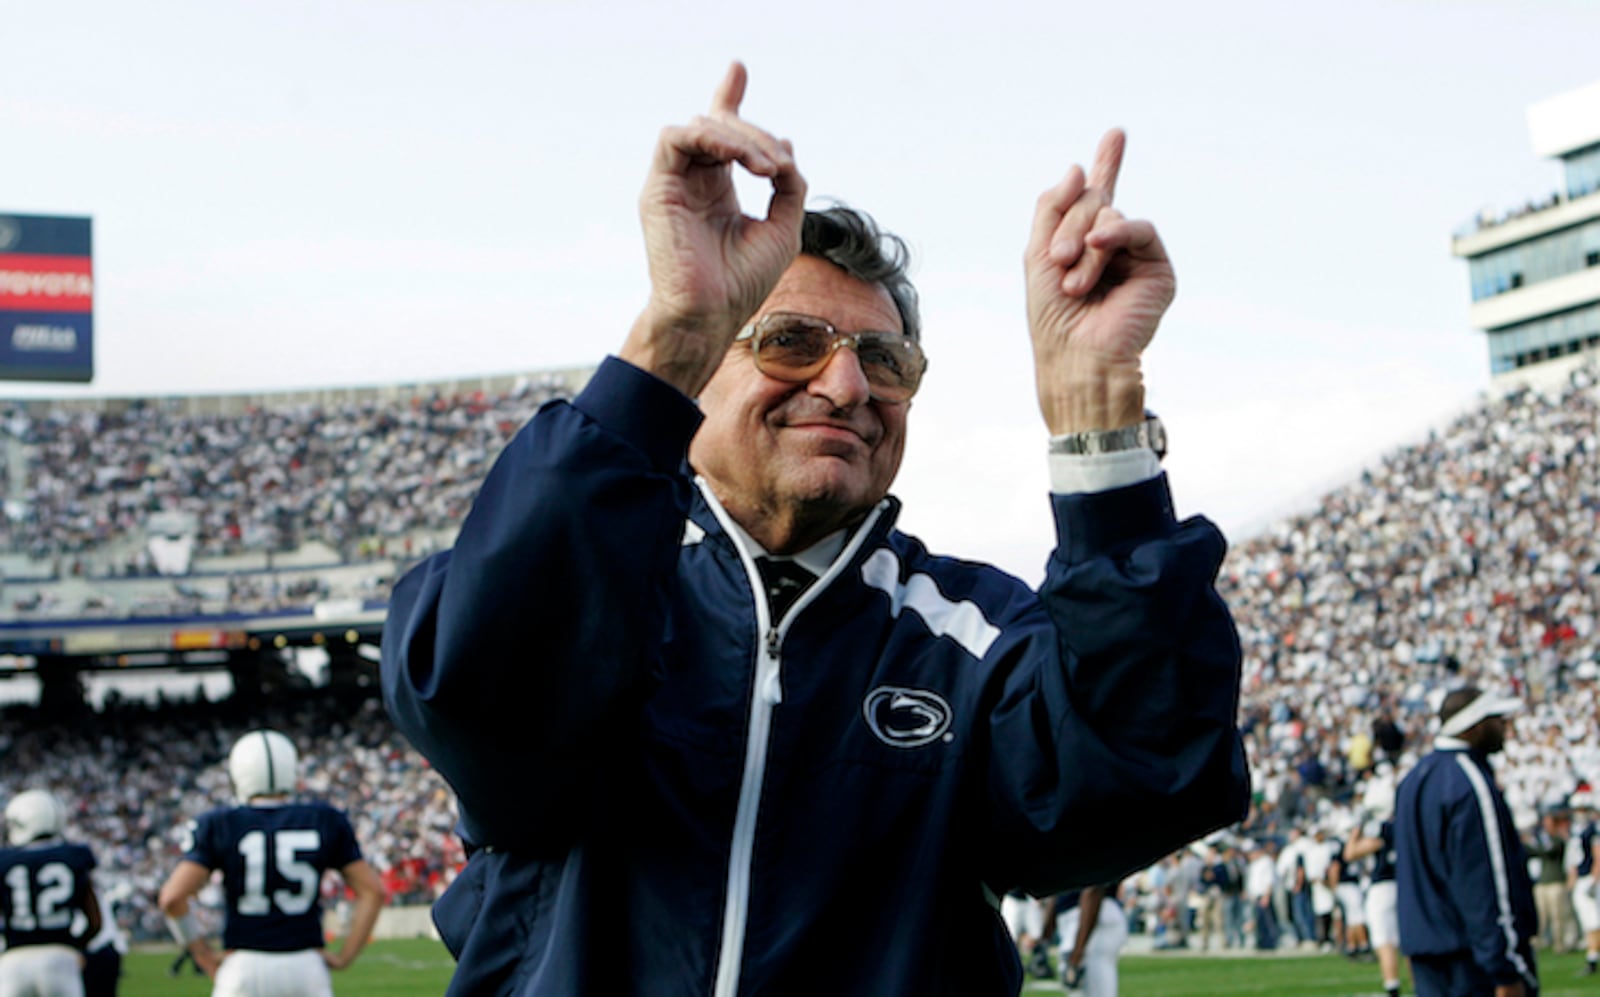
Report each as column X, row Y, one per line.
column 1157, row 435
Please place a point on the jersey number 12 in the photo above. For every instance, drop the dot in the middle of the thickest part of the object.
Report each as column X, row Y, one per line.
column 46, row 910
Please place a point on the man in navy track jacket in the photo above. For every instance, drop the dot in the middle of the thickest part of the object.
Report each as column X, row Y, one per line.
column 1465, row 901
column 715, row 725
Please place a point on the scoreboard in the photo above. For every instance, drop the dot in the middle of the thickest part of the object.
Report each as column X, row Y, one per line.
column 46, row 298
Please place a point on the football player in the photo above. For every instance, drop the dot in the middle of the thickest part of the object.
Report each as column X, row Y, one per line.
column 1582, row 849
column 44, row 884
column 1376, row 839
column 272, row 852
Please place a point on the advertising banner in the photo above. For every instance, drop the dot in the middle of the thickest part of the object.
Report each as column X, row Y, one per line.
column 46, row 299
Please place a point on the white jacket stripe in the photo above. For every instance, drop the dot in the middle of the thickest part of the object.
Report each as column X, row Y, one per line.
column 963, row 622
column 1497, row 862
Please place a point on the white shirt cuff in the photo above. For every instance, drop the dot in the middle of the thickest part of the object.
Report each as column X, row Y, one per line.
column 1072, row 474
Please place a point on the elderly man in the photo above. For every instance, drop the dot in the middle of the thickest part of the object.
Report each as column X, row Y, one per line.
column 1463, row 894
column 715, row 725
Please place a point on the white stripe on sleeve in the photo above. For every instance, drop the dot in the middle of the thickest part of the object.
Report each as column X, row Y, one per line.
column 1497, row 862
column 963, row 622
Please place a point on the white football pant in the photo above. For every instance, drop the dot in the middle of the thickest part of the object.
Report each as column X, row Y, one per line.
column 273, row 974
column 41, row 971
column 1100, row 954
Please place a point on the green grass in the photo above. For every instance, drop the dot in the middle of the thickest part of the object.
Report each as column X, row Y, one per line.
column 418, row 968
column 386, row 969
column 1175, row 975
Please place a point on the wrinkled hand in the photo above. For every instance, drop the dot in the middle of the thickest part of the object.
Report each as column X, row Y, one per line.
column 1098, row 285
column 711, row 265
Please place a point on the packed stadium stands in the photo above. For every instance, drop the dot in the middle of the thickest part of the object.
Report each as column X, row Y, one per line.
column 1470, row 556
column 107, row 502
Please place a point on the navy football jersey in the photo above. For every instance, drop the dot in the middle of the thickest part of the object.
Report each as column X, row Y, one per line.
column 1349, row 872
column 42, row 887
column 1072, row 898
column 1586, row 850
column 1383, row 859
column 272, row 860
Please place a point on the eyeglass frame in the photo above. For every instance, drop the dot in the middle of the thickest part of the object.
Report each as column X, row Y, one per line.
column 836, row 339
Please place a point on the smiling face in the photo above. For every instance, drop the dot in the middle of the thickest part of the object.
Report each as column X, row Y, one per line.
column 794, row 462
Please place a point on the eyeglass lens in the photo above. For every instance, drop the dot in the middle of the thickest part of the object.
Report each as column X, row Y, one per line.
column 798, row 346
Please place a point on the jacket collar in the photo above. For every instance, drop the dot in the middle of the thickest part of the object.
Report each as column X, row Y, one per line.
column 819, row 558
column 1444, row 742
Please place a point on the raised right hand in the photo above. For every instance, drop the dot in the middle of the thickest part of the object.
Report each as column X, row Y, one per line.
column 711, row 265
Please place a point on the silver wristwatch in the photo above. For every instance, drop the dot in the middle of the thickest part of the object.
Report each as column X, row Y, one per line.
column 1147, row 435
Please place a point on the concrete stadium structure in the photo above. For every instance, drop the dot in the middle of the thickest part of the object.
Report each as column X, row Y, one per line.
column 1535, row 271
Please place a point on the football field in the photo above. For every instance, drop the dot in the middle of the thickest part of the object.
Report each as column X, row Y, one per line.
column 415, row 968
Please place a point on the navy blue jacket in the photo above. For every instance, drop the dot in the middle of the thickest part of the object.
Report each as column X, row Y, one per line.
column 1461, row 876
column 669, row 793
column 272, row 859
column 42, row 886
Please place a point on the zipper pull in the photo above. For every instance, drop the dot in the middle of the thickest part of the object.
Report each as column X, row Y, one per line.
column 771, row 685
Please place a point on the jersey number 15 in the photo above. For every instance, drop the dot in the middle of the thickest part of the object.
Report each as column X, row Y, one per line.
column 287, row 847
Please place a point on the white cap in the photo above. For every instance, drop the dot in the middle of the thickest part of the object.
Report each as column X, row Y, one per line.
column 1485, row 706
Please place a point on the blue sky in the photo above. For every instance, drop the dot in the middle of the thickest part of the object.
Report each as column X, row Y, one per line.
column 351, row 193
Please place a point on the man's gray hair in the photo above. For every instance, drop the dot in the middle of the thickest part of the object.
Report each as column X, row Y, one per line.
column 852, row 241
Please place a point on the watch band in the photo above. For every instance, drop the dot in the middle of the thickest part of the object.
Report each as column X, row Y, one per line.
column 1147, row 435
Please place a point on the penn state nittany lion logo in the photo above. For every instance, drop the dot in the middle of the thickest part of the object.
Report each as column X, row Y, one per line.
column 907, row 718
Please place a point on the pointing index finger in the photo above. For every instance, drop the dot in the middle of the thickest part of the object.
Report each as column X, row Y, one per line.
column 730, row 92
column 1107, row 162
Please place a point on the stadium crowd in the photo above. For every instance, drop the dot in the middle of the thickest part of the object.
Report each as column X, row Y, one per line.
column 1471, row 556
column 354, row 476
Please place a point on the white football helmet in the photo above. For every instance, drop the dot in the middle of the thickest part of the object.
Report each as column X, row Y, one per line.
column 1379, row 798
column 32, row 815
column 263, row 763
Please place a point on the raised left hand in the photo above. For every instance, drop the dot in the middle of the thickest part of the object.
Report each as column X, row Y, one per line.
column 1098, row 284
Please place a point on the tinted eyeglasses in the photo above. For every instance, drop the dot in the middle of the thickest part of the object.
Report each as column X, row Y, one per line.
column 793, row 347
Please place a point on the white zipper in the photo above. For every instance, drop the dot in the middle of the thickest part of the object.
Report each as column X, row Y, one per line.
column 736, row 907
column 767, row 692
